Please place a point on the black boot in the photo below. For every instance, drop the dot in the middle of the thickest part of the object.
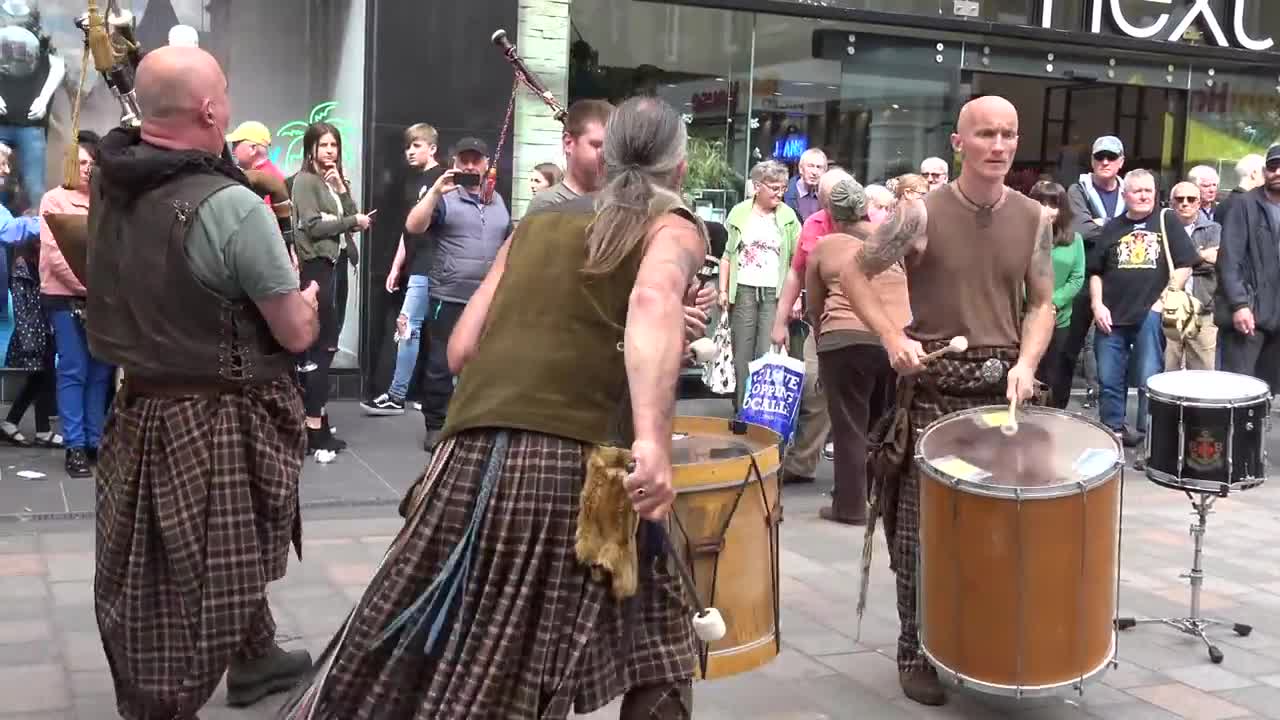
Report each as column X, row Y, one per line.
column 77, row 463
column 338, row 443
column 923, row 686
column 248, row 681
column 322, row 439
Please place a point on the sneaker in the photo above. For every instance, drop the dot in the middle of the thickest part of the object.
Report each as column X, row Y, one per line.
column 829, row 452
column 382, row 405
column 307, row 367
column 1090, row 399
column 77, row 463
column 249, row 681
column 1131, row 439
column 322, row 439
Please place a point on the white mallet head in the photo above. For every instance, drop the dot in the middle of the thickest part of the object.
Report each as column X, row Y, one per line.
column 704, row 350
column 959, row 343
column 708, row 625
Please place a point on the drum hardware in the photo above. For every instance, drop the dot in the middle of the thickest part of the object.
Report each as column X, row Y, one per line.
column 1194, row 624
column 993, row 370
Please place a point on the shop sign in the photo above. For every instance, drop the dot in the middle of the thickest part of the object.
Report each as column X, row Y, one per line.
column 1164, row 27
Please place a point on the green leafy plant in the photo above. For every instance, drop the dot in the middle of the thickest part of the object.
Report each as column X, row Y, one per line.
column 709, row 168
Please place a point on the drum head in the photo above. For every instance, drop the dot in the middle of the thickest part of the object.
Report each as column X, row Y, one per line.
column 1051, row 454
column 1207, row 386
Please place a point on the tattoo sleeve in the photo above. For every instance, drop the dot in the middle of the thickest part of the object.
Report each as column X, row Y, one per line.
column 894, row 239
column 1037, row 326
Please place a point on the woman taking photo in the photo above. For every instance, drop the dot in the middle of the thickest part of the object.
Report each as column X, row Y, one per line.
column 1068, row 279
column 326, row 219
column 763, row 232
column 83, row 382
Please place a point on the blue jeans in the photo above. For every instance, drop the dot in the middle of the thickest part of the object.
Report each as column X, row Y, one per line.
column 83, row 383
column 1112, row 351
column 416, row 301
column 29, row 144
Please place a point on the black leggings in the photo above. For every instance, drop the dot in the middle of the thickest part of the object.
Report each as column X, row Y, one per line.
column 315, row 384
column 40, row 389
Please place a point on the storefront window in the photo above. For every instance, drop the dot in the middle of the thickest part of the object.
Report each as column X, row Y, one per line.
column 698, row 60
column 1231, row 115
column 288, row 63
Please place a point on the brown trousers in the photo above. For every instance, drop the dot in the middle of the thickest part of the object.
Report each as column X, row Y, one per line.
column 812, row 423
column 859, row 384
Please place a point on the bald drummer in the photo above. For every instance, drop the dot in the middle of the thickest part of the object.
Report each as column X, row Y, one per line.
column 194, row 297
column 970, row 248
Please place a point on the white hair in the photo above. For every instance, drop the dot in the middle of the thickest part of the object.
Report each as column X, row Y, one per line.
column 814, row 155
column 1250, row 165
column 1141, row 173
column 935, row 161
column 880, row 195
column 1203, row 173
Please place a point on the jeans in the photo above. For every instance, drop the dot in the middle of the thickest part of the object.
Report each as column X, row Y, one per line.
column 415, row 305
column 29, row 143
column 83, row 383
column 1147, row 342
column 437, row 386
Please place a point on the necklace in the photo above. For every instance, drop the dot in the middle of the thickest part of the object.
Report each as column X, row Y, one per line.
column 984, row 211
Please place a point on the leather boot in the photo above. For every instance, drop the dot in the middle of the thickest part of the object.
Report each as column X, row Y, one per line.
column 248, row 681
column 923, row 686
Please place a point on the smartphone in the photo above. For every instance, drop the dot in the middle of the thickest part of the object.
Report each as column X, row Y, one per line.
column 467, row 180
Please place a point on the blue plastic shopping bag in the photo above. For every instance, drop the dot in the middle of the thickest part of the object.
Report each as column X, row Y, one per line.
column 775, row 383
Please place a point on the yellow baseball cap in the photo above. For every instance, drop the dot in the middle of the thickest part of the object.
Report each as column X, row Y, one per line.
column 251, row 131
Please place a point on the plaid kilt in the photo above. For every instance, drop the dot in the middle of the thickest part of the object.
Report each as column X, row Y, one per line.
column 197, row 502
column 951, row 383
column 533, row 636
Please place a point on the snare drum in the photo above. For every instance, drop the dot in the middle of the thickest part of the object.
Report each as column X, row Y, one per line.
column 1207, row 431
column 1019, row 549
column 725, row 525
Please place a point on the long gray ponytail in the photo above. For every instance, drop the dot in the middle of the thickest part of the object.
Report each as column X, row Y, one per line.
column 644, row 145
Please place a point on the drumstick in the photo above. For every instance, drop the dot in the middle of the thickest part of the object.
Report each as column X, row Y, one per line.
column 958, row 343
column 1010, row 426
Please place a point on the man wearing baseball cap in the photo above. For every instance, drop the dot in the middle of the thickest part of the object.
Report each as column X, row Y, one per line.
column 467, row 229
column 250, row 143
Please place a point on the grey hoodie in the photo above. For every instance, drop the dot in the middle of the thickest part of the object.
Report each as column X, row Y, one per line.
column 1087, row 205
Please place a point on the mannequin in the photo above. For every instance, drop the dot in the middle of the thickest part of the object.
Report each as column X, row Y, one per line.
column 30, row 73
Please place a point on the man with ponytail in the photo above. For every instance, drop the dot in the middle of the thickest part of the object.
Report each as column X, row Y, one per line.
column 491, row 601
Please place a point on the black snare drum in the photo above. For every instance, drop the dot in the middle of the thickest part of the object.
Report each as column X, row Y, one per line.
column 1207, row 431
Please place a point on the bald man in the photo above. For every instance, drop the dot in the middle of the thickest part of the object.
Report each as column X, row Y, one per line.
column 970, row 248
column 195, row 299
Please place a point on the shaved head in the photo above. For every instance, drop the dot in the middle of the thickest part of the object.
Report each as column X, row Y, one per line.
column 183, row 96
column 987, row 139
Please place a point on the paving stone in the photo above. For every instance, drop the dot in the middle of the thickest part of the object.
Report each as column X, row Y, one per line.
column 21, row 564
column 1189, row 702
column 1263, row 700
column 15, row 632
column 76, row 592
column 83, row 651
column 1209, row 678
column 1134, row 711
column 70, row 566
column 19, row 543
column 91, row 684
column 34, row 689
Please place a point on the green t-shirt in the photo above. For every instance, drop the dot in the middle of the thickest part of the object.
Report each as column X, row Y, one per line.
column 235, row 247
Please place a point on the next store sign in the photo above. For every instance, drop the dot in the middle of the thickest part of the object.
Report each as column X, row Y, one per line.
column 1228, row 31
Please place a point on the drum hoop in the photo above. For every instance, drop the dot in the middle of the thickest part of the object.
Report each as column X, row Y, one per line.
column 1068, row 489
column 1188, row 401
column 1020, row 691
column 1202, row 487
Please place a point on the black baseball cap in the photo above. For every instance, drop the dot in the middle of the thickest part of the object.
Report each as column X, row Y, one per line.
column 470, row 144
column 1273, row 155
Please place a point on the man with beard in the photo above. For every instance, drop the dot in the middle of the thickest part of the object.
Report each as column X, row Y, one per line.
column 198, row 479
column 974, row 250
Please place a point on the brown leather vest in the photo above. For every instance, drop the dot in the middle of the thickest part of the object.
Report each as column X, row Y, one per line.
column 148, row 313
column 550, row 359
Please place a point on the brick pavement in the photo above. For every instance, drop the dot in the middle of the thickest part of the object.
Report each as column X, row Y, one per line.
column 51, row 665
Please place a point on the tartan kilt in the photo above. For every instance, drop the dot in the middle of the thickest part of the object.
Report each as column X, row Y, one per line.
column 197, row 502
column 533, row 636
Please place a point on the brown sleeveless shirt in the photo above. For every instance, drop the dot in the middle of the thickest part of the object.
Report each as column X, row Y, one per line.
column 970, row 280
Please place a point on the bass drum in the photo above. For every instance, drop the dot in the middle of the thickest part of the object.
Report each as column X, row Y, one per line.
column 725, row 526
column 1019, row 549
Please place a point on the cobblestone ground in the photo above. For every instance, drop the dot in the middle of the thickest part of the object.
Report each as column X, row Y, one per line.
column 52, row 666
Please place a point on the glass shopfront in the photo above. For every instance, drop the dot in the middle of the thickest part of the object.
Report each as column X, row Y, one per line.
column 288, row 63
column 880, row 98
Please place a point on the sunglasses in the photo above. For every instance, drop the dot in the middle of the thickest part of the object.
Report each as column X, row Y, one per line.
column 1187, row 199
column 1107, row 156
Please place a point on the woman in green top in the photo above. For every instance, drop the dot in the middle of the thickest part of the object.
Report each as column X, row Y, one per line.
column 1068, row 279
column 763, row 232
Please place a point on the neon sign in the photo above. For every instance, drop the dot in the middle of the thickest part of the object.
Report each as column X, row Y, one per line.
column 289, row 157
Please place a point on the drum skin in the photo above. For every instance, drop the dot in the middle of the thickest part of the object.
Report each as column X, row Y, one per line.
column 739, row 577
column 1019, row 596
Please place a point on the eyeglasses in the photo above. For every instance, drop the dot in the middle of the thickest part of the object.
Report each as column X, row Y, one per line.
column 775, row 189
column 1187, row 199
column 934, row 175
column 1106, row 157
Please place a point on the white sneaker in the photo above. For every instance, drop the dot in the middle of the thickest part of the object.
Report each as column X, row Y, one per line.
column 829, row 452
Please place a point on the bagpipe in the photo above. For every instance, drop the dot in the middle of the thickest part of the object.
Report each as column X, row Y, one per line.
column 111, row 43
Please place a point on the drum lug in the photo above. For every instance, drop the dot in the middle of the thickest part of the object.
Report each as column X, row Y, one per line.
column 775, row 516
column 709, row 546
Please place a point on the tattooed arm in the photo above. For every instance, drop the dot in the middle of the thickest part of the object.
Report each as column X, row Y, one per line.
column 1037, row 326
column 901, row 234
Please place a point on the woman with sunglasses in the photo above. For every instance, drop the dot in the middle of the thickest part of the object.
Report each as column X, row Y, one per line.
column 1068, row 279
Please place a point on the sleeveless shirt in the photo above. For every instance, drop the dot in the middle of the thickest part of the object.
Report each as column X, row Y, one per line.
column 550, row 359
column 970, row 280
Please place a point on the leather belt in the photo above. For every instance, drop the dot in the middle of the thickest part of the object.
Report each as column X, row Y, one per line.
column 179, row 388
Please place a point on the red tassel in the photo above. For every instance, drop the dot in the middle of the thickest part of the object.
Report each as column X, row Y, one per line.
column 490, row 185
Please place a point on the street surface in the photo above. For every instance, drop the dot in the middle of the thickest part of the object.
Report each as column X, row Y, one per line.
column 52, row 665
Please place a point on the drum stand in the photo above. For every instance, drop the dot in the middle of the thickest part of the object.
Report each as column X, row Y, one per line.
column 1194, row 625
